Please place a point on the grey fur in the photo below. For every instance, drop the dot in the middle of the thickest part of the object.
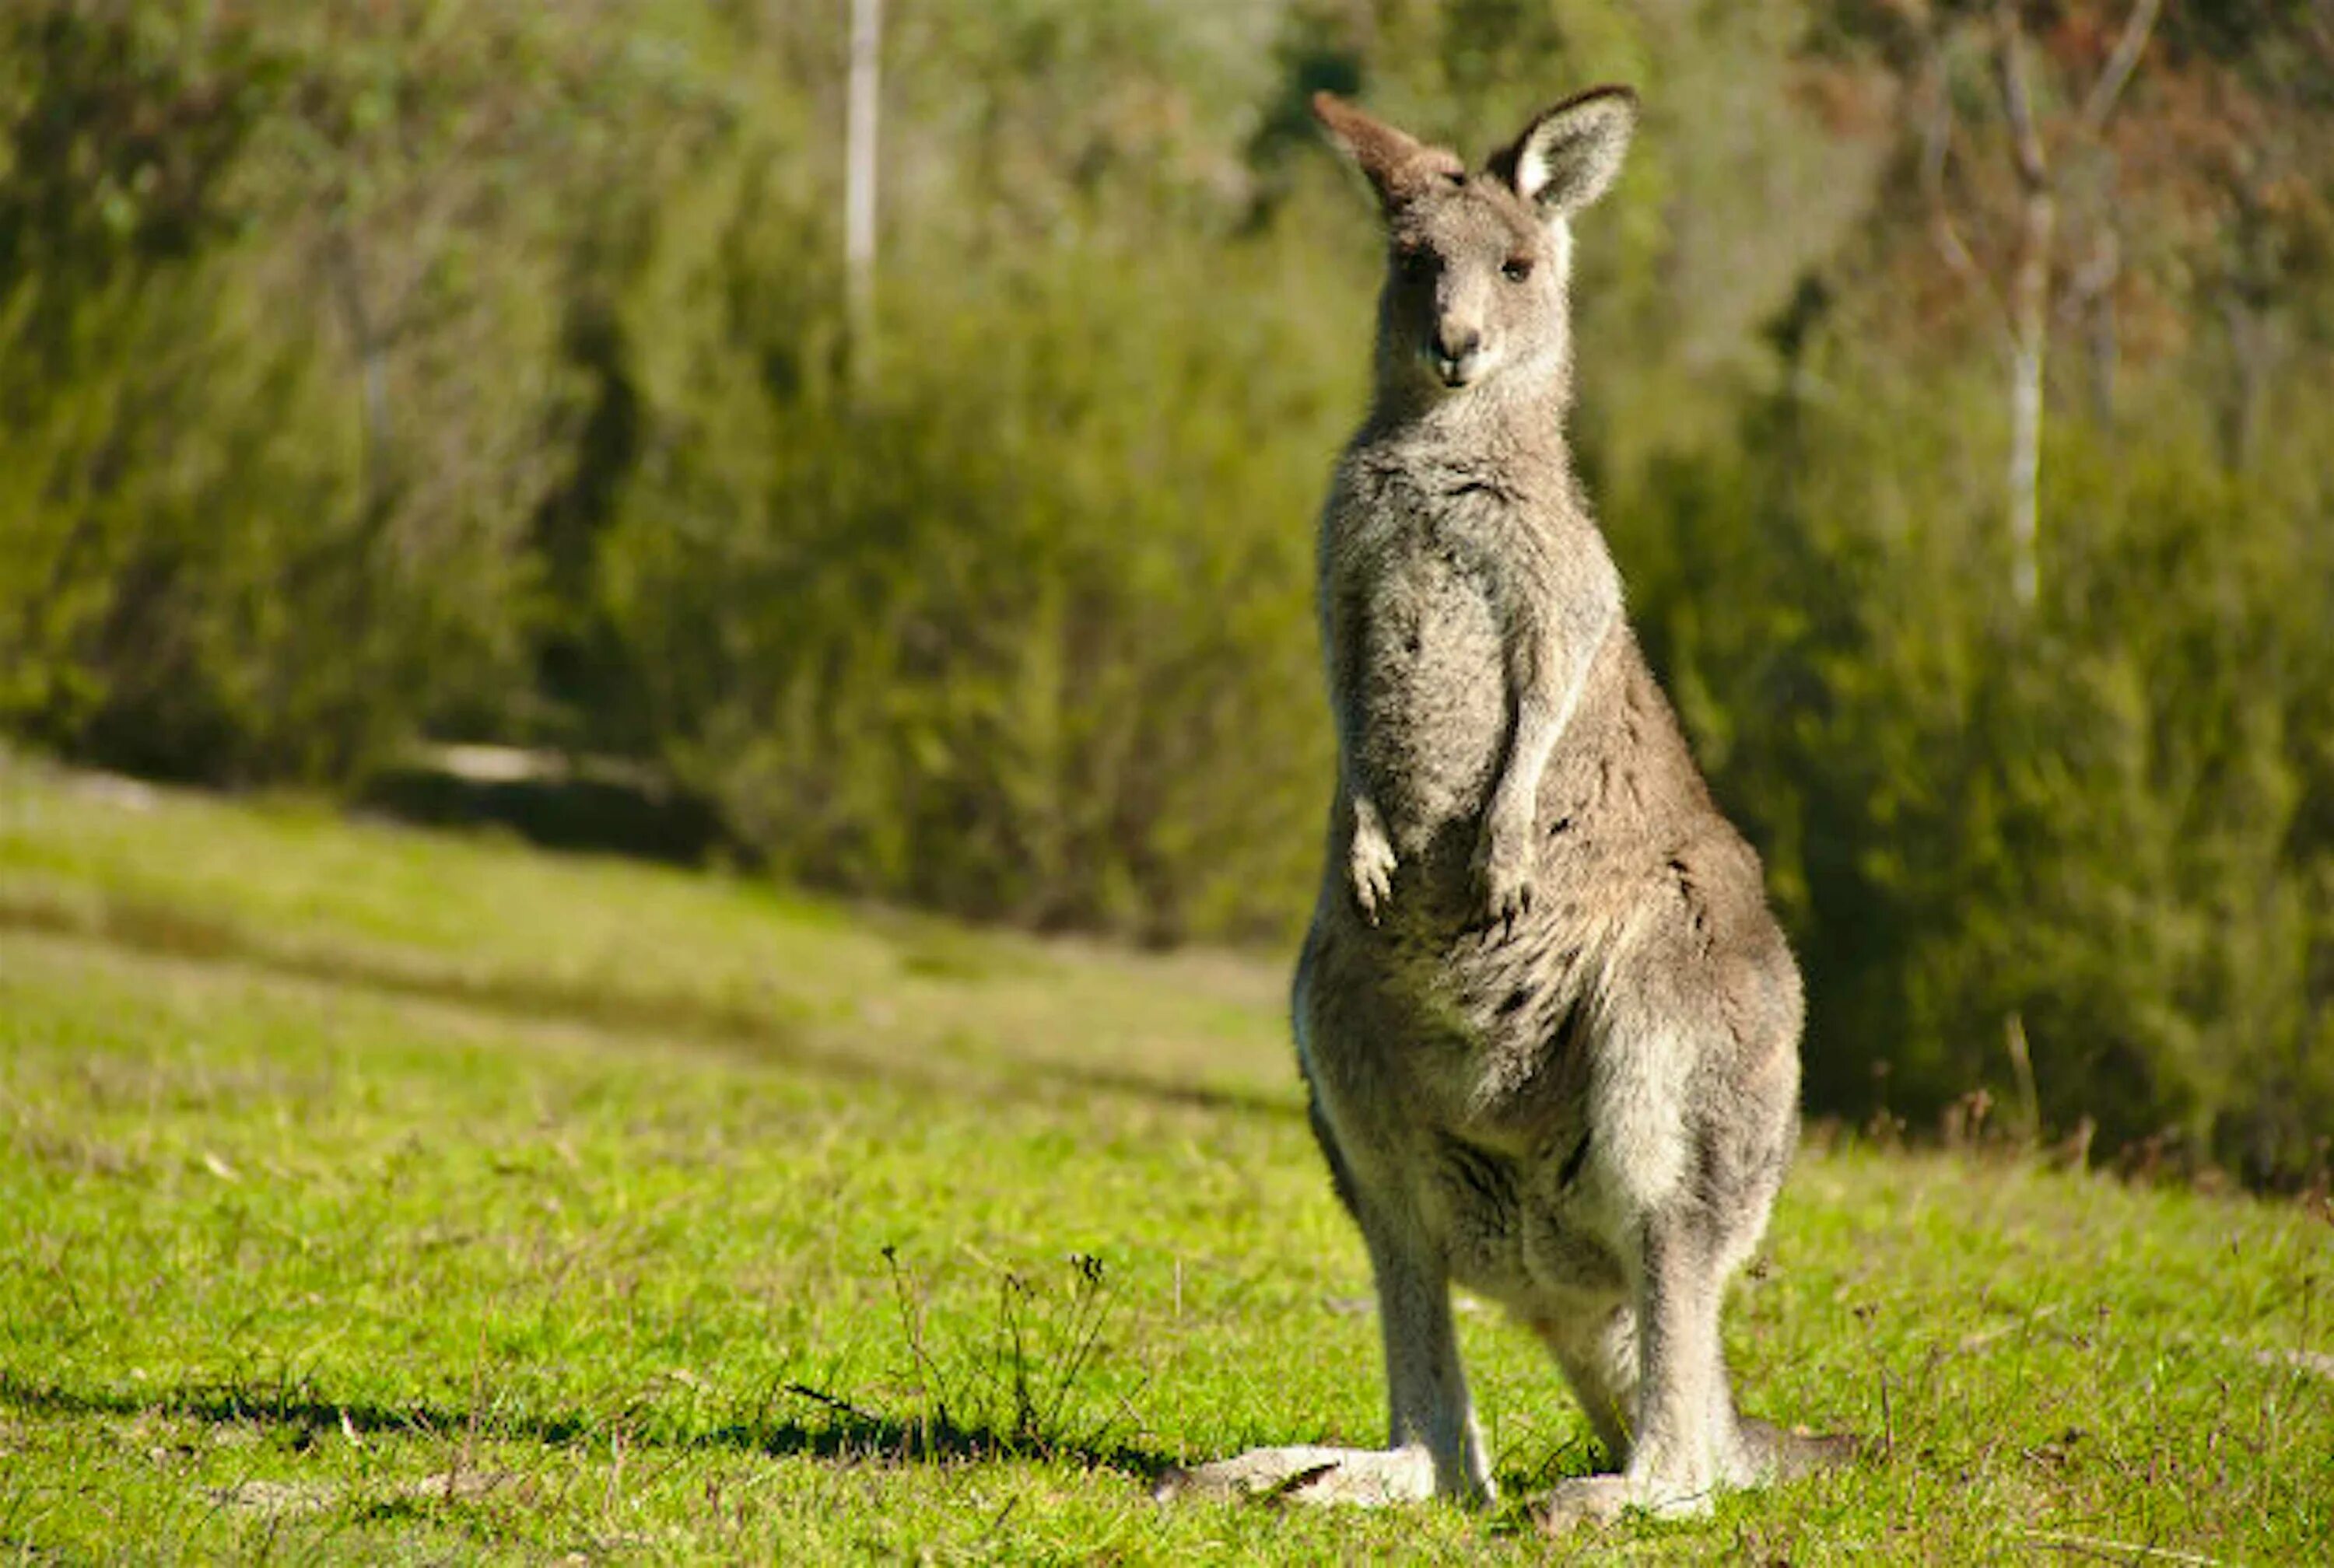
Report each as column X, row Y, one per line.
column 1549, row 1025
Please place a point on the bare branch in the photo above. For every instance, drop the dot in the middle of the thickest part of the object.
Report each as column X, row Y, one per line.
column 2133, row 41
column 2017, row 104
column 1936, row 144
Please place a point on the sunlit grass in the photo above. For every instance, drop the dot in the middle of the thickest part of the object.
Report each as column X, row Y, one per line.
column 367, row 1193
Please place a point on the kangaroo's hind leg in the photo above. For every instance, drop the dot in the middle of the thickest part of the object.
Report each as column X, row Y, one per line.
column 1683, row 1443
column 1435, row 1447
column 1596, row 1346
column 1691, row 1439
column 1428, row 1405
column 1735, row 1101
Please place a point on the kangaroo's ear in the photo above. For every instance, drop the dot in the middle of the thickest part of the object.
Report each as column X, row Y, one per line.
column 1568, row 156
column 1399, row 166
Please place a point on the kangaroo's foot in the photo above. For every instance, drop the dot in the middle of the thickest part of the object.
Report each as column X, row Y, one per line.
column 1364, row 1478
column 1596, row 1500
column 1768, row 1453
column 1785, row 1454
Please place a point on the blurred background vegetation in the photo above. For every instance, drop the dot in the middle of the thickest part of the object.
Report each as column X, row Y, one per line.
column 1956, row 393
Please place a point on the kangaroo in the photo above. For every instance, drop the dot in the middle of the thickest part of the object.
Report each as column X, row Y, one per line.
column 1549, row 1025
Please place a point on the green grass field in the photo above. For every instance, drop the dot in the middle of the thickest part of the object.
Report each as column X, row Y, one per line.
column 373, row 1194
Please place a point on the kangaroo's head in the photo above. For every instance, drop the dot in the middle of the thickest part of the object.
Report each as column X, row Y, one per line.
column 1479, row 263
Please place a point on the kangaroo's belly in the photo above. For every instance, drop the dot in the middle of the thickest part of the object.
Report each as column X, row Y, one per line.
column 1434, row 698
column 1453, row 1080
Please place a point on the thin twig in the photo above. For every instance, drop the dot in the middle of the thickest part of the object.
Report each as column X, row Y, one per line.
column 1089, row 1306
column 2121, row 61
column 831, row 1401
column 1296, row 1482
column 912, row 1322
column 1936, row 146
column 1888, row 1420
column 2115, row 1551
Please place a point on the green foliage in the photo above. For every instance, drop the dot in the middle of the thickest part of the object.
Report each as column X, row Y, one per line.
column 1014, row 656
column 260, row 513
column 2090, row 818
column 178, row 592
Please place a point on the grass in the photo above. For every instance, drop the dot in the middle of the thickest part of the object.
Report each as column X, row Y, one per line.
column 367, row 1193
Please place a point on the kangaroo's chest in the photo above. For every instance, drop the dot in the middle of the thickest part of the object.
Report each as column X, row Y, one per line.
column 1431, row 700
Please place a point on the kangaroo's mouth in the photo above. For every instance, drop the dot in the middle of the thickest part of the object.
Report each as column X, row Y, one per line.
column 1459, row 351
column 1457, row 373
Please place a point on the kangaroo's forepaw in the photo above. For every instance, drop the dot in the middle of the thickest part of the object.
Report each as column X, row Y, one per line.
column 1363, row 1478
column 1370, row 866
column 1503, row 873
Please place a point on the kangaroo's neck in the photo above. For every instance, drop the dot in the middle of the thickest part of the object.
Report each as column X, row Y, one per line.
column 1516, row 416
column 1505, row 436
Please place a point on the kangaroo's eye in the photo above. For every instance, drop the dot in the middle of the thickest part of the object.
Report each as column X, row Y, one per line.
column 1516, row 268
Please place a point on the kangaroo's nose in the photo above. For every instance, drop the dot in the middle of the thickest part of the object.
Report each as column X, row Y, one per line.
column 1457, row 348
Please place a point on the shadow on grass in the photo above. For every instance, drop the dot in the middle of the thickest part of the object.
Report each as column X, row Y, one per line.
column 558, row 809
column 768, row 1028
column 838, row 1434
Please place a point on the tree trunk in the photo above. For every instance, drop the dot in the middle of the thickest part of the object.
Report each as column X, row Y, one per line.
column 2029, row 308
column 859, row 181
column 2029, row 332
